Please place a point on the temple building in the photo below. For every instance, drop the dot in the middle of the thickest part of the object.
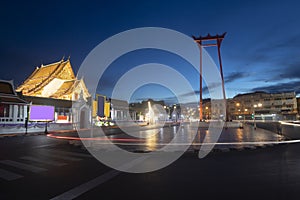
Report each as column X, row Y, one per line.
column 13, row 110
column 56, row 85
column 56, row 80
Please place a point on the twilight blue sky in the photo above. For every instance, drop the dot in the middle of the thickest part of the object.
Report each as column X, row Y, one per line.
column 260, row 51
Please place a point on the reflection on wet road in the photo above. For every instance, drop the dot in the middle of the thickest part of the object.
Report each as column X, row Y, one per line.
column 155, row 139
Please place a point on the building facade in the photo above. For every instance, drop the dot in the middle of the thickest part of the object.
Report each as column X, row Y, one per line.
column 56, row 85
column 140, row 110
column 277, row 105
column 111, row 109
column 265, row 106
column 13, row 109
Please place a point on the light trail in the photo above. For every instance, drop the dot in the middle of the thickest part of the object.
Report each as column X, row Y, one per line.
column 136, row 142
column 289, row 123
column 51, row 135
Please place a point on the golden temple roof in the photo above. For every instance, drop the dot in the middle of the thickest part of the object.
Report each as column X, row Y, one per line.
column 41, row 76
column 56, row 80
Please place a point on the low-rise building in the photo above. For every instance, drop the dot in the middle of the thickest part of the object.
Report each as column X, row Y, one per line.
column 140, row 110
column 271, row 106
column 13, row 109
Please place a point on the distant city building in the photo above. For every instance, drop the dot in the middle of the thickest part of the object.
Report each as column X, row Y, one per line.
column 276, row 106
column 13, row 109
column 119, row 110
column 212, row 109
column 190, row 111
column 140, row 110
column 264, row 104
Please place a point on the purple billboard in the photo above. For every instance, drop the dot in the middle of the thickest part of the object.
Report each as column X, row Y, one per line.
column 41, row 113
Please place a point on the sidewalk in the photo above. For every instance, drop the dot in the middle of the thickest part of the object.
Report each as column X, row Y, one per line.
column 21, row 134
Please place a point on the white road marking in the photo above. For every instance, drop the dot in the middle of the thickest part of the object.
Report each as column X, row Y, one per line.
column 43, row 160
column 45, row 145
column 79, row 190
column 85, row 187
column 23, row 166
column 9, row 176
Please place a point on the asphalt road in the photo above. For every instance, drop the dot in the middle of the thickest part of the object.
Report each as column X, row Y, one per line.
column 38, row 167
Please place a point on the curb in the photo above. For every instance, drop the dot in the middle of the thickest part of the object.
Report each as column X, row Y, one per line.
column 2, row 136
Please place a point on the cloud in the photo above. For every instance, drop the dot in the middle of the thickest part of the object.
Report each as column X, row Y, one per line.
column 288, row 70
column 228, row 79
column 271, row 49
column 235, row 76
column 292, row 70
column 281, row 87
column 281, row 43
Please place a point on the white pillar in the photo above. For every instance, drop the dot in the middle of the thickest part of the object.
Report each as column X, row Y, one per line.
column 25, row 112
column 15, row 113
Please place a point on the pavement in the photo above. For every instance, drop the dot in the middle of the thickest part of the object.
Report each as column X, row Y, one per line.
column 21, row 134
column 40, row 167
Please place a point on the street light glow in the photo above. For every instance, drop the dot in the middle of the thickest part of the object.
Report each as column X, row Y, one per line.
column 255, row 106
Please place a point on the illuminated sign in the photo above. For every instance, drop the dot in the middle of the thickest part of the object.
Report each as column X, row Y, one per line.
column 41, row 113
column 62, row 117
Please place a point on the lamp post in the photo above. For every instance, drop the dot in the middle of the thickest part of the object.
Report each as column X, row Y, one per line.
column 175, row 113
column 245, row 114
column 207, row 113
column 149, row 112
column 255, row 106
column 167, row 111
column 238, row 111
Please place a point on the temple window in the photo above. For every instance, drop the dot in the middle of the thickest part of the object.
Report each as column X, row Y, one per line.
column 4, row 110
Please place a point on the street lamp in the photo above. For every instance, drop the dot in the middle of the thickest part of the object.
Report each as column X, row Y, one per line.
column 175, row 111
column 149, row 113
column 245, row 114
column 255, row 106
column 167, row 111
column 237, row 113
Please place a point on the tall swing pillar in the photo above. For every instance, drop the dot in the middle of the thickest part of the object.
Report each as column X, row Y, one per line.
column 210, row 41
